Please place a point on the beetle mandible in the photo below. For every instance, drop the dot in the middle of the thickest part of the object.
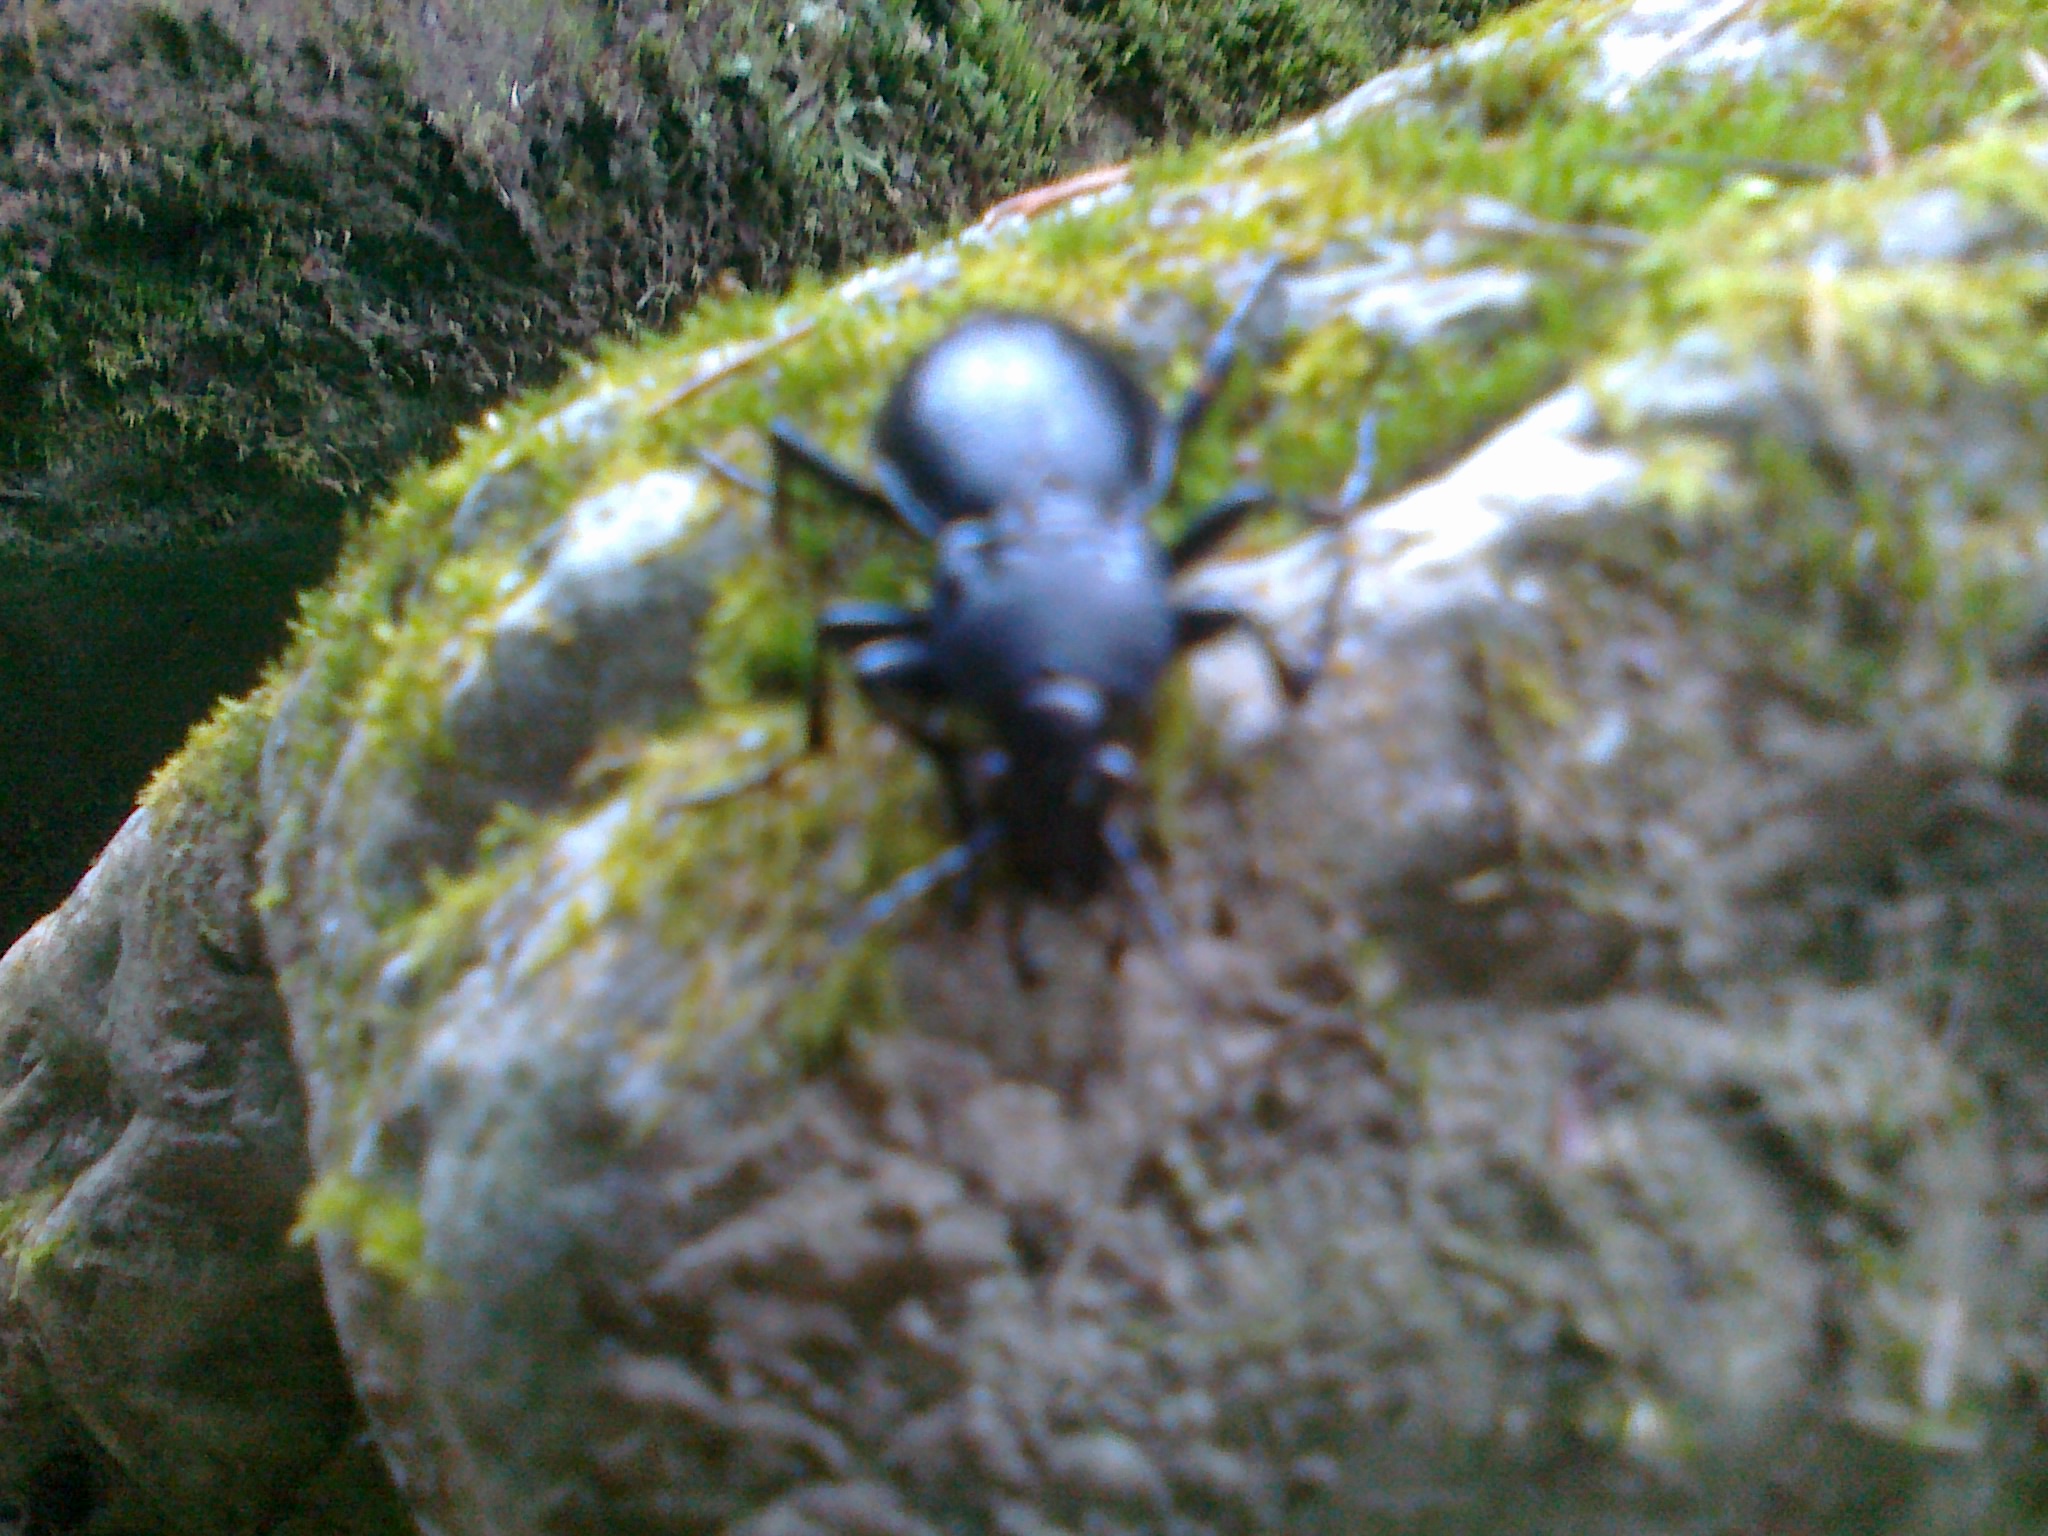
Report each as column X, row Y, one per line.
column 1031, row 459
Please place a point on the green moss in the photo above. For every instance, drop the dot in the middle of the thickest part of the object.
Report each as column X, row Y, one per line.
column 27, row 1237
column 385, row 1228
column 747, row 891
column 1533, row 75
column 216, row 768
column 1884, row 576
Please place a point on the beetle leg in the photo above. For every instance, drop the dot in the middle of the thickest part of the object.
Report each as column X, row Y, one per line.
column 1202, row 618
column 1214, row 524
column 1024, row 964
column 852, row 627
column 797, row 454
column 848, row 626
column 841, row 627
column 902, row 680
column 731, row 473
column 957, row 862
column 1151, row 900
column 1209, row 382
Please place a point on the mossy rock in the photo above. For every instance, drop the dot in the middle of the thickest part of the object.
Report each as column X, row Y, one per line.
column 1601, row 1090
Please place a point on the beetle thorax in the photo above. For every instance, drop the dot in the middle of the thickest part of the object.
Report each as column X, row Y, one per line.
column 1052, row 589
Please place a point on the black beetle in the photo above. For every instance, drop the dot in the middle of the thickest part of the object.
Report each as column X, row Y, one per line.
column 1031, row 458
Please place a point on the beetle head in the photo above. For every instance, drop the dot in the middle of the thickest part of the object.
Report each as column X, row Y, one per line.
column 1058, row 784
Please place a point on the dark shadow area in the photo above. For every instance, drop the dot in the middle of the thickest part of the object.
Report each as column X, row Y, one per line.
column 106, row 660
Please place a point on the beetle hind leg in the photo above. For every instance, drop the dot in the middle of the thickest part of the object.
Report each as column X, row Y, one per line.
column 1025, row 965
column 796, row 454
column 1214, row 524
column 1205, row 616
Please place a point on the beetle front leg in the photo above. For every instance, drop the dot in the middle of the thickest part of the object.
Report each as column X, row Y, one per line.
column 845, row 627
column 1197, row 620
column 900, row 677
column 1215, row 523
column 955, row 863
column 841, row 627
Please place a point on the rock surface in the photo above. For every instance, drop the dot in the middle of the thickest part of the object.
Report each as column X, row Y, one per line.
column 168, row 1362
column 1605, row 1093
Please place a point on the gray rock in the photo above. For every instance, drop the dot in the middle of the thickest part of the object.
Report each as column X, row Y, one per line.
column 502, row 498
column 1315, row 298
column 152, row 1159
column 1700, row 39
column 1398, row 296
column 505, row 497
column 892, row 282
column 1454, row 1133
column 1639, row 43
column 603, row 638
column 1160, row 324
column 1942, row 224
column 1470, row 307
column 1699, row 384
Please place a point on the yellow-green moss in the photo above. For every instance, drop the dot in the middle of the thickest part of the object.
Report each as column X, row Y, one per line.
column 216, row 768
column 385, row 1228
column 1883, row 578
column 27, row 1237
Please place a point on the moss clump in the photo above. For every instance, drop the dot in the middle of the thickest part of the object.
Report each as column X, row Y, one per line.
column 216, row 770
column 27, row 1238
column 385, row 1228
column 1884, row 565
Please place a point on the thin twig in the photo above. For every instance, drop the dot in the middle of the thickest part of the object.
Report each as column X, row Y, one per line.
column 1028, row 204
column 738, row 357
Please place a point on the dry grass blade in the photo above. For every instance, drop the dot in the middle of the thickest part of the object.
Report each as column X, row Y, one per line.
column 1034, row 201
column 724, row 362
column 2037, row 70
